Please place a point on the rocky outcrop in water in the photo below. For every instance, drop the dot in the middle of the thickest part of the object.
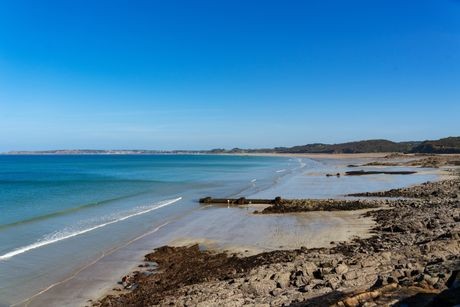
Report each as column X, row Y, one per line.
column 305, row 205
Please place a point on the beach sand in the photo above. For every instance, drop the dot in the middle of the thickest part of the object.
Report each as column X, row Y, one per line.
column 235, row 230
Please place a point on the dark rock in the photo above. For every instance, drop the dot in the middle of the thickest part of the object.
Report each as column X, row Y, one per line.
column 318, row 274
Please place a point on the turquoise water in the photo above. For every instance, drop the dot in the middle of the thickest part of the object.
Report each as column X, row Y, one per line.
column 71, row 209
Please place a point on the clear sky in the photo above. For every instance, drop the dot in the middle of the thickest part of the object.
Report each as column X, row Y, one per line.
column 237, row 73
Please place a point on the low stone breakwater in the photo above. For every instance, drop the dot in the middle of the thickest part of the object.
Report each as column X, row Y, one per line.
column 280, row 205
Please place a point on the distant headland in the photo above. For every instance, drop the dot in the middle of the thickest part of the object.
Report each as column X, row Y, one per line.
column 449, row 145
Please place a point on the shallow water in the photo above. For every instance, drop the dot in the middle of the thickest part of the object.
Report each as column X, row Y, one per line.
column 111, row 210
column 61, row 212
column 312, row 182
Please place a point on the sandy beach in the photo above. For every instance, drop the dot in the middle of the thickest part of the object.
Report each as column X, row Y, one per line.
column 336, row 277
column 236, row 230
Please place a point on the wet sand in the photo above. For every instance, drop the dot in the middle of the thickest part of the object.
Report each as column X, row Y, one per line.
column 321, row 155
column 235, row 230
column 239, row 230
column 412, row 258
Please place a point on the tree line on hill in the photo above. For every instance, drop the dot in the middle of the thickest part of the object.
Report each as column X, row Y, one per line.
column 447, row 145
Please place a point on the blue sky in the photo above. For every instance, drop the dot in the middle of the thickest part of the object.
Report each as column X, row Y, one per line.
column 207, row 74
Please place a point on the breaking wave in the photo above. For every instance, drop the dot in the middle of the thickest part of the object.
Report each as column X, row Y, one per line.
column 62, row 236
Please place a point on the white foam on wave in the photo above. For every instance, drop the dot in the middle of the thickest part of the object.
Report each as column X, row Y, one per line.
column 302, row 164
column 60, row 237
column 253, row 180
column 281, row 170
column 27, row 300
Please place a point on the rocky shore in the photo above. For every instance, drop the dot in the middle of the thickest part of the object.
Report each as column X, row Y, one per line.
column 280, row 205
column 443, row 189
column 420, row 160
column 413, row 259
column 305, row 205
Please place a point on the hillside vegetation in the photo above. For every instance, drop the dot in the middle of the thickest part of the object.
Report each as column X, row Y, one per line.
column 445, row 145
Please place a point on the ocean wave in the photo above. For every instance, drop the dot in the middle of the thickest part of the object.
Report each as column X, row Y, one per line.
column 301, row 163
column 69, row 210
column 66, row 235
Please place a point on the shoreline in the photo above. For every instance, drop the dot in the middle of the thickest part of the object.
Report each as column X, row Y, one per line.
column 342, row 247
column 237, row 248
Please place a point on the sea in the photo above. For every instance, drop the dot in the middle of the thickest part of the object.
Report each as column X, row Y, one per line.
column 60, row 213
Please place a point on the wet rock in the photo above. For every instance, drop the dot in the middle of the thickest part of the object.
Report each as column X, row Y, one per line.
column 396, row 274
column 277, row 292
column 309, row 268
column 386, row 256
column 333, row 282
column 450, row 296
column 341, row 269
column 262, row 287
column 318, row 274
column 282, row 280
column 300, row 280
column 430, row 280
column 350, row 275
column 369, row 262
